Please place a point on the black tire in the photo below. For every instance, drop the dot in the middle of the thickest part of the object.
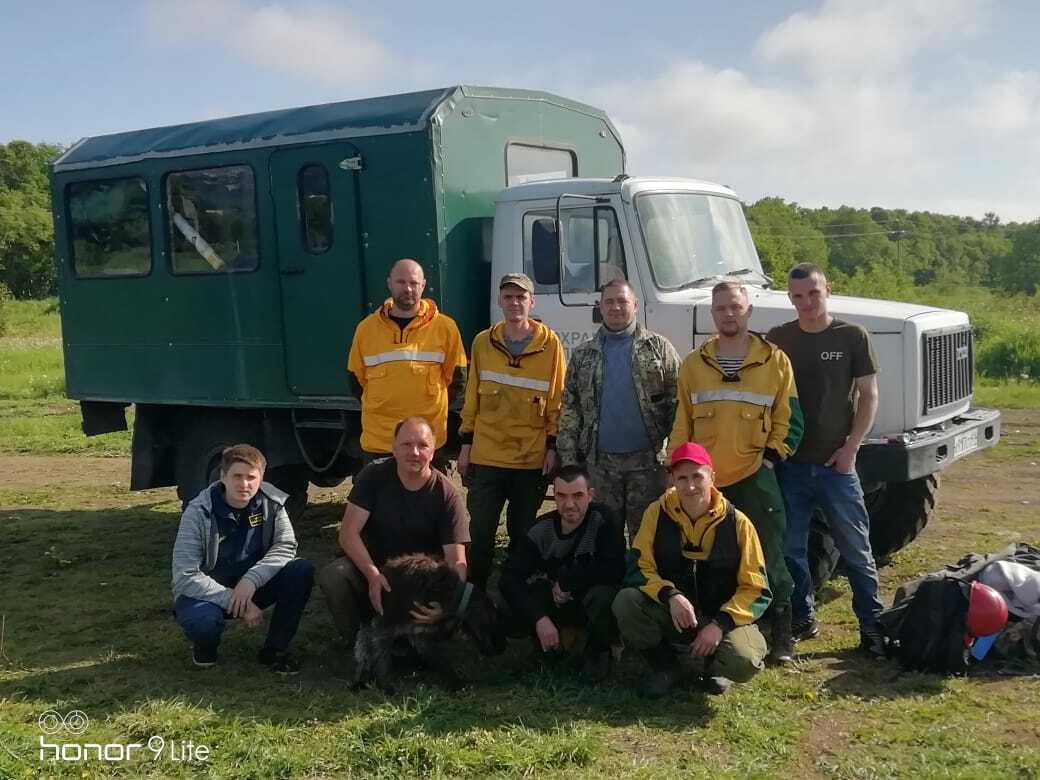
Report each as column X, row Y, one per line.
column 823, row 553
column 899, row 511
column 205, row 437
column 294, row 481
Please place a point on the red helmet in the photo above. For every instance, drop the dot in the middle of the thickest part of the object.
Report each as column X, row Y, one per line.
column 987, row 610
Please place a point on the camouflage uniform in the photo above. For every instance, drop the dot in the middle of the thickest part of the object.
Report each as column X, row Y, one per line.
column 626, row 482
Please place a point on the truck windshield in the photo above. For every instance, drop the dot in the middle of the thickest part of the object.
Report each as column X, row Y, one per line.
column 694, row 239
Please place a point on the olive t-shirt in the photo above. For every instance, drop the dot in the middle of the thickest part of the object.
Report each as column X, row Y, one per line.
column 826, row 365
column 406, row 521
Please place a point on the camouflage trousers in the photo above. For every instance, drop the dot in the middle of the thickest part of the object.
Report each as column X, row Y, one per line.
column 628, row 483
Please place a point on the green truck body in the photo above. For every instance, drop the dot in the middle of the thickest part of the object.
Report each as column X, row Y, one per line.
column 213, row 273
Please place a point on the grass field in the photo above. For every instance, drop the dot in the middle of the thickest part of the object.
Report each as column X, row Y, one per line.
column 86, row 626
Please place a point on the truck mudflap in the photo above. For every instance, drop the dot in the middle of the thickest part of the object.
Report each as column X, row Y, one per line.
column 922, row 452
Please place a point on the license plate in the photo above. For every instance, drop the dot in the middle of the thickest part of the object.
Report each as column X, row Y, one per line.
column 963, row 443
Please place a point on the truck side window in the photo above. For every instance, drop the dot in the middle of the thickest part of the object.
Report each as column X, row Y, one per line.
column 593, row 239
column 212, row 220
column 526, row 163
column 111, row 233
column 315, row 208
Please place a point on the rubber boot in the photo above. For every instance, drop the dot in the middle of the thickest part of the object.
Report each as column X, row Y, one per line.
column 781, row 643
column 664, row 669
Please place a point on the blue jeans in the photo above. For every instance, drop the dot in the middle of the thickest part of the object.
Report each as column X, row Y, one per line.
column 806, row 486
column 288, row 590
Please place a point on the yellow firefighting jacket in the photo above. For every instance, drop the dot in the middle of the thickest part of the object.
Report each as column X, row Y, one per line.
column 739, row 419
column 404, row 374
column 512, row 406
column 716, row 560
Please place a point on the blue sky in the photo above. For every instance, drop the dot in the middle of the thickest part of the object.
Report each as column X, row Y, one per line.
column 921, row 104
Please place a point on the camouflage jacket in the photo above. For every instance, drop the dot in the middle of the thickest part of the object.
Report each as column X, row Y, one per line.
column 655, row 366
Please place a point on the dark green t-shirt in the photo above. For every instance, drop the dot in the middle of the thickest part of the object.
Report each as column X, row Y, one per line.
column 826, row 365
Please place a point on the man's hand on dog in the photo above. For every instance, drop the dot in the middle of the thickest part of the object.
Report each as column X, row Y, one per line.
column 548, row 636
column 376, row 585
column 427, row 614
column 241, row 598
column 560, row 596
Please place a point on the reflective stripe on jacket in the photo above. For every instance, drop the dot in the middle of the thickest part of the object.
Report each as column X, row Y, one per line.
column 739, row 418
column 716, row 561
column 404, row 374
column 512, row 406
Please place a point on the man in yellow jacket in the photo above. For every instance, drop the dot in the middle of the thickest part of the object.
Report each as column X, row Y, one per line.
column 408, row 361
column 509, row 422
column 737, row 397
column 696, row 582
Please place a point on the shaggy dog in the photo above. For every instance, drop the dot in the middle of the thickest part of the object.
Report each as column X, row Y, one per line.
column 421, row 579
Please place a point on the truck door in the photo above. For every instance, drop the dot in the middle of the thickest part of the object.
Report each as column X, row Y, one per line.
column 593, row 255
column 315, row 198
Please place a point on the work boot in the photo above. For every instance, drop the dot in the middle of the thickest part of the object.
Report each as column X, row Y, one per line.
column 805, row 628
column 664, row 669
column 714, row 686
column 781, row 642
column 872, row 641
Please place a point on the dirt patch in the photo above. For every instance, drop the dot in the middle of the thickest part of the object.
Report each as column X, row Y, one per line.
column 58, row 471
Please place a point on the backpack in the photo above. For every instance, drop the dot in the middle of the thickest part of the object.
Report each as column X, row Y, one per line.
column 926, row 631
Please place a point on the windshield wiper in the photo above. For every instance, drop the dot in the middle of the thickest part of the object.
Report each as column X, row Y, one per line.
column 695, row 282
column 745, row 271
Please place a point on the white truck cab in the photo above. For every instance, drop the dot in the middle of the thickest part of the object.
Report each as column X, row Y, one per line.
column 674, row 239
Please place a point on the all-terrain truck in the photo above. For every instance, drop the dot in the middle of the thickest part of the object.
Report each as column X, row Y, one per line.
column 212, row 275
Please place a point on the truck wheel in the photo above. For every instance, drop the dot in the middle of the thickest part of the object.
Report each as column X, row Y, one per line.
column 293, row 480
column 899, row 511
column 823, row 553
column 198, row 451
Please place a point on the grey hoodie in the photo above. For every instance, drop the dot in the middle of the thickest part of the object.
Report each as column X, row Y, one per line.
column 195, row 551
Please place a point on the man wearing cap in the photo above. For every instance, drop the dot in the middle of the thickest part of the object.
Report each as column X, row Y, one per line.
column 618, row 406
column 407, row 360
column 509, row 422
column 737, row 397
column 696, row 582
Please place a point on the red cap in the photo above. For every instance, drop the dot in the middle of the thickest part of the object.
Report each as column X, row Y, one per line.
column 692, row 452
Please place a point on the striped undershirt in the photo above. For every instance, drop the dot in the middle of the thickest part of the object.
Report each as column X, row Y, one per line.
column 730, row 364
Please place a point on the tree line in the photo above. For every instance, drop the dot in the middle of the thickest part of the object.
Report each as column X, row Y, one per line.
column 879, row 251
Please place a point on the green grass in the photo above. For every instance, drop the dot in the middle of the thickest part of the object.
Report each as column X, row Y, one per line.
column 1007, row 394
column 91, row 631
column 38, row 319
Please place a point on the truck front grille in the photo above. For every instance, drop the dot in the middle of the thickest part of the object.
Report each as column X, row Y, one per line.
column 949, row 367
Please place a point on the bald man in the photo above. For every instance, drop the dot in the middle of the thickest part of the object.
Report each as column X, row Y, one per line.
column 407, row 359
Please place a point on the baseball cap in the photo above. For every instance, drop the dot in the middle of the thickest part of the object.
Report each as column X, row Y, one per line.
column 692, row 452
column 523, row 281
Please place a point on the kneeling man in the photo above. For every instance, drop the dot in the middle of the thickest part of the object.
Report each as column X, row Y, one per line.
column 235, row 555
column 698, row 582
column 397, row 505
column 567, row 570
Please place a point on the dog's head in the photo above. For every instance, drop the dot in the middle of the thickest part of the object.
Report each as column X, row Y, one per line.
column 479, row 619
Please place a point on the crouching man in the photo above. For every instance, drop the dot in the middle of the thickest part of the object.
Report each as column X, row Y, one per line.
column 699, row 582
column 567, row 570
column 235, row 555
column 397, row 506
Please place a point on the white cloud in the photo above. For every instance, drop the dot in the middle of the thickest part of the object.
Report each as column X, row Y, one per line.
column 1005, row 104
column 856, row 37
column 319, row 42
column 859, row 133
